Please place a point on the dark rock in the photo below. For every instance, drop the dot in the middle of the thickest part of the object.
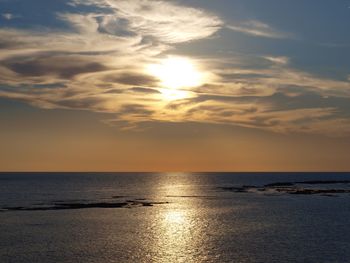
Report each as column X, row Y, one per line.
column 72, row 206
column 235, row 189
column 279, row 184
column 320, row 191
column 293, row 188
column 325, row 182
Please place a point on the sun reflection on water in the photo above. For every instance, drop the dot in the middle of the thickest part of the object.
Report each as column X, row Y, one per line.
column 176, row 217
column 179, row 235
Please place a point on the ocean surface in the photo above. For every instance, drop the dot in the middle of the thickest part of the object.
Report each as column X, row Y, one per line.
column 174, row 217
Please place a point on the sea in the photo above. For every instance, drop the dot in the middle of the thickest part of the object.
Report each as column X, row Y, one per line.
column 174, row 217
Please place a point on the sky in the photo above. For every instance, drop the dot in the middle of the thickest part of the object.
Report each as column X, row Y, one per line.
column 195, row 85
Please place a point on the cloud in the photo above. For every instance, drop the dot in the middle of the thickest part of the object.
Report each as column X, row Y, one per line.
column 57, row 66
column 278, row 60
column 97, row 63
column 163, row 20
column 145, row 90
column 8, row 16
column 132, row 79
column 262, row 113
column 110, row 38
column 258, row 29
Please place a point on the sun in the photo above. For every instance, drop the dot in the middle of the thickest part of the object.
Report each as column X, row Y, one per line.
column 176, row 73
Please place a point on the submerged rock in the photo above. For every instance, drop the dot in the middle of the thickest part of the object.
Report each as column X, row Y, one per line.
column 279, row 184
column 320, row 191
column 293, row 188
column 71, row 206
column 325, row 182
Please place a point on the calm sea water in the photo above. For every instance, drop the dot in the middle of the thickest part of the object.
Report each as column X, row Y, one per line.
column 198, row 221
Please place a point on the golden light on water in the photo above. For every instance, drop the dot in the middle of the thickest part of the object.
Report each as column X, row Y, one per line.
column 175, row 217
column 179, row 228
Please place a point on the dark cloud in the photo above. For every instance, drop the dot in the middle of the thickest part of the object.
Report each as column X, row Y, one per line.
column 224, row 98
column 136, row 110
column 82, row 103
column 145, row 90
column 114, row 91
column 63, row 67
column 282, row 100
column 218, row 112
column 9, row 44
column 115, row 26
column 241, row 76
column 264, row 121
column 132, row 79
column 147, row 41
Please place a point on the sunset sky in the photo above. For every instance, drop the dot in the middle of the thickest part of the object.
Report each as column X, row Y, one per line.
column 195, row 85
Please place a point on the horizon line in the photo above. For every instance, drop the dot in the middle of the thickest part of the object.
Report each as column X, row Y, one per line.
column 315, row 171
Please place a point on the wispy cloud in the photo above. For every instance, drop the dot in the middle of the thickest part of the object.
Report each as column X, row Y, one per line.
column 127, row 31
column 101, row 51
column 163, row 20
column 98, row 63
column 8, row 16
column 278, row 60
column 258, row 29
